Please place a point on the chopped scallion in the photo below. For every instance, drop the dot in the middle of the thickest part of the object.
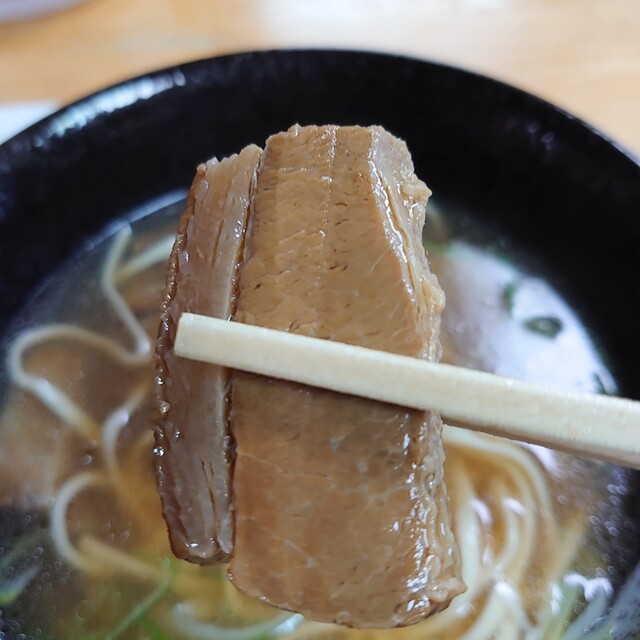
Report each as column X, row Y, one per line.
column 141, row 609
column 545, row 326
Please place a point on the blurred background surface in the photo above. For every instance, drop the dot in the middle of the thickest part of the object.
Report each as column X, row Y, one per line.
column 583, row 55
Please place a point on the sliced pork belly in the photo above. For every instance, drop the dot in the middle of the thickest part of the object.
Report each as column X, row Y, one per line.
column 338, row 506
column 193, row 463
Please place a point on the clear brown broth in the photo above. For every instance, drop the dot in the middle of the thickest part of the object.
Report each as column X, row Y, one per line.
column 499, row 317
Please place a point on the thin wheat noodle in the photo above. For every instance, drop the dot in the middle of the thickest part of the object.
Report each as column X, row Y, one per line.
column 157, row 252
column 115, row 423
column 118, row 303
column 59, row 530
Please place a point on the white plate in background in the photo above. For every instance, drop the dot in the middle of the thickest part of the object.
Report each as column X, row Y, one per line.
column 14, row 10
column 16, row 116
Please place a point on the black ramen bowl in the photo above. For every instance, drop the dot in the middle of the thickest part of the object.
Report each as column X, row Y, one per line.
column 549, row 182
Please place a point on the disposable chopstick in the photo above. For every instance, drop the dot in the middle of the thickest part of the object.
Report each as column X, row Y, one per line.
column 593, row 425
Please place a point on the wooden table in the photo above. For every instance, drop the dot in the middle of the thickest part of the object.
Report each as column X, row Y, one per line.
column 581, row 54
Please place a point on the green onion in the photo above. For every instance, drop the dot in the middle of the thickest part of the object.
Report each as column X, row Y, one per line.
column 502, row 254
column 23, row 545
column 10, row 589
column 436, row 247
column 599, row 384
column 545, row 326
column 571, row 595
column 142, row 608
column 154, row 631
column 508, row 297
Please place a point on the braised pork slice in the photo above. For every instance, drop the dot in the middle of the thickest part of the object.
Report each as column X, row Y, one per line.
column 339, row 502
column 193, row 463
column 326, row 504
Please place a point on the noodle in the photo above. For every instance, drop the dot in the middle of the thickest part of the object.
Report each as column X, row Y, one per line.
column 115, row 423
column 142, row 351
column 59, row 530
column 500, row 498
column 52, row 397
column 279, row 625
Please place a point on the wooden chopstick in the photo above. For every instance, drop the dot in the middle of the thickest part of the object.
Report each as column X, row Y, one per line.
column 597, row 426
